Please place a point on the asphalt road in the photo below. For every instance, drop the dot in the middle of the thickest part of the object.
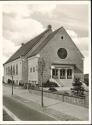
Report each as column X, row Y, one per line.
column 6, row 117
column 23, row 112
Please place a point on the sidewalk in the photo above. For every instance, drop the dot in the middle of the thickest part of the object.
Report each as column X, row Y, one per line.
column 51, row 106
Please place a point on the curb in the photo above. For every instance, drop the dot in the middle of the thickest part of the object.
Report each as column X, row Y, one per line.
column 48, row 111
column 12, row 115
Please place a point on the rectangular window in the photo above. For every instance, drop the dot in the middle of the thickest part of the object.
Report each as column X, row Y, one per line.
column 69, row 73
column 62, row 74
column 30, row 69
column 33, row 69
column 55, row 73
column 11, row 70
column 16, row 69
column 8, row 70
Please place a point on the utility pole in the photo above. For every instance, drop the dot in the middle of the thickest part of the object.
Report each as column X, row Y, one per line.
column 42, row 91
column 12, row 84
column 12, row 79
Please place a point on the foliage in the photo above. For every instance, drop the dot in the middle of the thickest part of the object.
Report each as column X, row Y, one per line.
column 52, row 89
column 77, row 89
column 9, row 81
column 21, row 84
column 86, row 79
column 50, row 84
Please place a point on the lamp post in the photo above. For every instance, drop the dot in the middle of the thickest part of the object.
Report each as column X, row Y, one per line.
column 12, row 84
column 12, row 79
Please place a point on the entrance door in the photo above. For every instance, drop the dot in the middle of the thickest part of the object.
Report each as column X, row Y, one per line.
column 69, row 73
column 62, row 74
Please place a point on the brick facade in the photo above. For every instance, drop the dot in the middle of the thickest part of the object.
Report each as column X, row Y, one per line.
column 49, row 54
column 48, row 57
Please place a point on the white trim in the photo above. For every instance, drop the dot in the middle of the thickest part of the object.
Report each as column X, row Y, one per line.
column 32, row 57
column 12, row 115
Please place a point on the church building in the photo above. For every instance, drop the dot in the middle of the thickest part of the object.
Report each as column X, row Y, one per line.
column 52, row 54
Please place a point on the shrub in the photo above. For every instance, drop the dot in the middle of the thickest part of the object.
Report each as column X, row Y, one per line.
column 25, row 86
column 50, row 84
column 86, row 79
column 77, row 87
column 21, row 84
column 52, row 89
column 9, row 81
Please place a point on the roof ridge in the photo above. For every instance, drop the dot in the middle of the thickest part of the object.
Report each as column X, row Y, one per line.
column 33, row 41
column 41, row 35
column 48, row 38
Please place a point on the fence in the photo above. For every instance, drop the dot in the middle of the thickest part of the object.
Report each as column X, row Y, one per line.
column 81, row 101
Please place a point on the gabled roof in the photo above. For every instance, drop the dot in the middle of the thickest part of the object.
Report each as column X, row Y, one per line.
column 48, row 38
column 24, row 49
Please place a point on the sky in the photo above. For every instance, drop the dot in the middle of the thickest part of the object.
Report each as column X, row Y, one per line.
column 22, row 22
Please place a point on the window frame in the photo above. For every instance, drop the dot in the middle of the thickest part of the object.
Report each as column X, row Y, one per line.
column 69, row 73
column 63, row 73
column 16, row 69
column 30, row 69
column 55, row 74
column 33, row 69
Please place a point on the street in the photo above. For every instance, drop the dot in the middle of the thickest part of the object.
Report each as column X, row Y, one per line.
column 27, row 106
column 23, row 112
column 6, row 117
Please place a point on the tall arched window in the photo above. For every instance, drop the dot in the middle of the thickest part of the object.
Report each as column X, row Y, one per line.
column 16, row 69
column 11, row 70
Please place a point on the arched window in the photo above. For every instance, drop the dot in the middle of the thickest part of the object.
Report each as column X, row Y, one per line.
column 11, row 70
column 16, row 69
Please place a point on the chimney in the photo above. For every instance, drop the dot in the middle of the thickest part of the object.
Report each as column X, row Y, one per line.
column 22, row 44
column 49, row 27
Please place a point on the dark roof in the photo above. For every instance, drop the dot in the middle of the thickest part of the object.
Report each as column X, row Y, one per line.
column 23, row 50
column 48, row 38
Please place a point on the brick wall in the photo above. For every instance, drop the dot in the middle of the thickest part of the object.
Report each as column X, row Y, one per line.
column 25, row 70
column 80, row 101
column 49, row 53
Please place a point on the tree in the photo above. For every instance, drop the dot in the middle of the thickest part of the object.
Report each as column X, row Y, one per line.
column 86, row 79
column 77, row 87
column 41, row 70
